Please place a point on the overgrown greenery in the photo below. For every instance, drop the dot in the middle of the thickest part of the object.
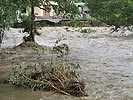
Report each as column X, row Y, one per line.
column 8, row 10
column 65, row 7
column 7, row 16
column 112, row 12
column 58, row 75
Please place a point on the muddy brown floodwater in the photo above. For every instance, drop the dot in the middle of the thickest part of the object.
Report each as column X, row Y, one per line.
column 106, row 61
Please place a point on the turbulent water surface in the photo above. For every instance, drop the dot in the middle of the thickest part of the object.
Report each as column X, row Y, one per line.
column 106, row 61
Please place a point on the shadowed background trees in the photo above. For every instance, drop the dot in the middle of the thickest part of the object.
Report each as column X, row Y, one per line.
column 112, row 12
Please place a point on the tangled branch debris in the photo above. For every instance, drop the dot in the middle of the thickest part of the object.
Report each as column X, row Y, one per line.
column 60, row 76
column 49, row 78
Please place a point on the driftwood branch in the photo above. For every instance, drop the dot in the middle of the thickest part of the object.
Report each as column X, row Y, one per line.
column 49, row 83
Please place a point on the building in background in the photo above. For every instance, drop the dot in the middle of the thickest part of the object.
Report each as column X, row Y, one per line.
column 38, row 12
column 83, row 11
column 43, row 14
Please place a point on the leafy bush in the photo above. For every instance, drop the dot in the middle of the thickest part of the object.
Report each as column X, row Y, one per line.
column 113, row 12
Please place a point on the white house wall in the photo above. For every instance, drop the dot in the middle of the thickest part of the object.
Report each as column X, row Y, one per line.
column 38, row 12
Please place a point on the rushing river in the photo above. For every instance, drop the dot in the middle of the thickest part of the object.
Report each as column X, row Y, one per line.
column 9, row 92
column 106, row 61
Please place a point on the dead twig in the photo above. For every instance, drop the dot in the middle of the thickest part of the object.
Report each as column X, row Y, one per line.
column 50, row 83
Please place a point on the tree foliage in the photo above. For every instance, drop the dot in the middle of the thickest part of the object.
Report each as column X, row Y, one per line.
column 7, row 15
column 66, row 6
column 80, row 1
column 8, row 10
column 112, row 12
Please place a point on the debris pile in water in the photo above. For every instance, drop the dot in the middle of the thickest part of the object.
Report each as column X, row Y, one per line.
column 60, row 78
column 58, row 74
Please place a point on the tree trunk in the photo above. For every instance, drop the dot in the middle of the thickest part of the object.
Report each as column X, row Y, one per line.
column 32, row 33
column 31, row 37
column 0, row 38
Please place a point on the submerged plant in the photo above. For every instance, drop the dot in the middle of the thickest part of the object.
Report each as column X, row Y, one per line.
column 86, row 30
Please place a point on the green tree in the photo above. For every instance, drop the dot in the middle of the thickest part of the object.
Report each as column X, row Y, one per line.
column 64, row 7
column 113, row 12
column 7, row 16
column 31, row 4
